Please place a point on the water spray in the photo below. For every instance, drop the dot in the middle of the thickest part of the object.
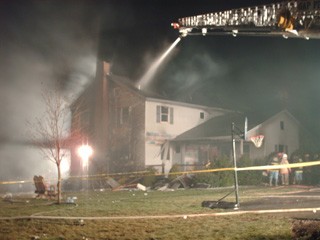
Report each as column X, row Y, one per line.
column 155, row 65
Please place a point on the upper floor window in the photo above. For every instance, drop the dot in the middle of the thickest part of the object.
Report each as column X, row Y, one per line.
column 164, row 114
column 281, row 148
column 124, row 115
column 282, row 125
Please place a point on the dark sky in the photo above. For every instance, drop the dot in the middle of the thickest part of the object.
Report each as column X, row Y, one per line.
column 61, row 40
column 261, row 74
column 42, row 42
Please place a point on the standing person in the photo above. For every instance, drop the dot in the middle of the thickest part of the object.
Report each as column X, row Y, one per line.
column 284, row 171
column 274, row 173
column 307, row 170
column 298, row 173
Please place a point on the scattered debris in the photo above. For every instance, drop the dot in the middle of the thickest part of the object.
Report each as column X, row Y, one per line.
column 161, row 184
column 71, row 200
column 141, row 187
column 131, row 183
column 79, row 222
column 113, row 183
column 7, row 197
column 186, row 181
column 165, row 188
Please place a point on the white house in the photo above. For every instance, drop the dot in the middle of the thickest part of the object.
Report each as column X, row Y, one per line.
column 131, row 130
column 164, row 120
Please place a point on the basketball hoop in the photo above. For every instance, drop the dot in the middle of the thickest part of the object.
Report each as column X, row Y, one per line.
column 257, row 140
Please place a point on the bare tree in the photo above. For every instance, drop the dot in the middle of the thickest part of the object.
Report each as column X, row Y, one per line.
column 51, row 132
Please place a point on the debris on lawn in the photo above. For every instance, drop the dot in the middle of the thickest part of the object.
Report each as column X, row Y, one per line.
column 79, row 222
column 7, row 197
column 186, row 181
column 129, row 184
column 161, row 183
column 113, row 183
column 71, row 200
column 141, row 187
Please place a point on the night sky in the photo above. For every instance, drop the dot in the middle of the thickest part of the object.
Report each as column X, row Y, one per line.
column 259, row 74
column 42, row 42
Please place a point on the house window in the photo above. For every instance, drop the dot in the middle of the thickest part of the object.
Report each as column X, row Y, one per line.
column 178, row 148
column 123, row 115
column 201, row 115
column 282, row 125
column 164, row 114
column 281, row 148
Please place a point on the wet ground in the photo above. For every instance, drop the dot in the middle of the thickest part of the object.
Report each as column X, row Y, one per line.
column 295, row 203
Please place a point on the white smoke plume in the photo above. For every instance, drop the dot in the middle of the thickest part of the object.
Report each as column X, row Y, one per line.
column 43, row 43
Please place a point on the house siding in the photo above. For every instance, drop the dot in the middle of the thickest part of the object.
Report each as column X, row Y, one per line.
column 181, row 118
column 274, row 135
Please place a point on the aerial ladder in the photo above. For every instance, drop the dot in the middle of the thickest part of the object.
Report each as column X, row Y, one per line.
column 297, row 19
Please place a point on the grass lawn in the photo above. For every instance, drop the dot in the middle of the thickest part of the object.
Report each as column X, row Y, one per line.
column 138, row 203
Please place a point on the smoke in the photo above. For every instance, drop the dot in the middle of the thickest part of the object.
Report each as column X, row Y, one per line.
column 191, row 73
column 44, row 44
column 154, row 67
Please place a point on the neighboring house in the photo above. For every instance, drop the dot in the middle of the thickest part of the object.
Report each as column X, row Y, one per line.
column 129, row 128
column 282, row 134
column 213, row 138
column 132, row 130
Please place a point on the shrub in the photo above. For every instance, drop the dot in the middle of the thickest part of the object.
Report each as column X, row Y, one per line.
column 249, row 177
column 217, row 179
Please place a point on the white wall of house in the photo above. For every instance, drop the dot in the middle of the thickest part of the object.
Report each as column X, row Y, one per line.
column 181, row 117
column 281, row 134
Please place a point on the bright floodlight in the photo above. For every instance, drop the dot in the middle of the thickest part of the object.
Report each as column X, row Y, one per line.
column 85, row 151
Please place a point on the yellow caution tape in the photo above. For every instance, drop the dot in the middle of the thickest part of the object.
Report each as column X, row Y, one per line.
column 147, row 173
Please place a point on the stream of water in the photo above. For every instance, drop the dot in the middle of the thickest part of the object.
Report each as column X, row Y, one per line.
column 147, row 77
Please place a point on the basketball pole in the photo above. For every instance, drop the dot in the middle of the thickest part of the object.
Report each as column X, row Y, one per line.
column 236, row 185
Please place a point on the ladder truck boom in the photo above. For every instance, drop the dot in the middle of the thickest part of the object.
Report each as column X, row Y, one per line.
column 299, row 19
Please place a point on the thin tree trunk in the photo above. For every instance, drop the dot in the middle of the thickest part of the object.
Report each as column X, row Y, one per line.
column 59, row 184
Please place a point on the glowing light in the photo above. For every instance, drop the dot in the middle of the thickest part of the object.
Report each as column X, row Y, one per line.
column 85, row 151
column 175, row 25
column 152, row 70
column 235, row 32
column 204, row 31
